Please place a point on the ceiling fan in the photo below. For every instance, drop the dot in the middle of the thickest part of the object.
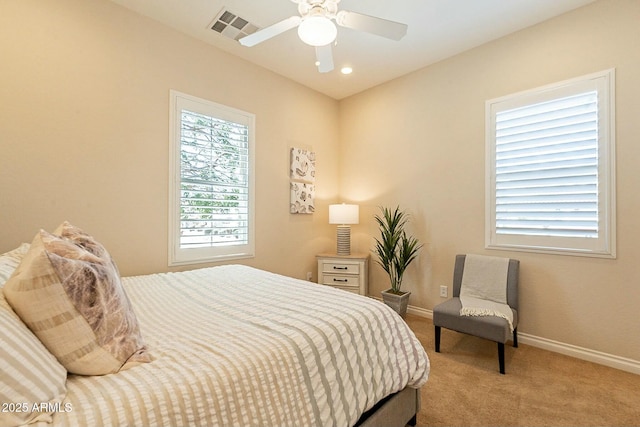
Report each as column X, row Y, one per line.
column 316, row 28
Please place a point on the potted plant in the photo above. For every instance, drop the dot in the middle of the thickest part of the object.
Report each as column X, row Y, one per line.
column 395, row 251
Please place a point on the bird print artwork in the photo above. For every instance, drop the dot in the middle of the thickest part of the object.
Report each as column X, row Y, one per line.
column 302, row 175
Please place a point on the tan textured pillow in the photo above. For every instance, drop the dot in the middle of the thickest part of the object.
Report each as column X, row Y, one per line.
column 68, row 292
column 30, row 377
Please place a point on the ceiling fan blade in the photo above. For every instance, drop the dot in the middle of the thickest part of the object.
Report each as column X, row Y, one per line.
column 270, row 31
column 381, row 27
column 324, row 58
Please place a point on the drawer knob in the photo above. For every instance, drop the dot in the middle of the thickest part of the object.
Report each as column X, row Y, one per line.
column 339, row 268
column 340, row 280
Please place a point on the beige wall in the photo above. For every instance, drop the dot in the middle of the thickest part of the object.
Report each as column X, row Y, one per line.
column 419, row 141
column 84, row 91
column 84, row 107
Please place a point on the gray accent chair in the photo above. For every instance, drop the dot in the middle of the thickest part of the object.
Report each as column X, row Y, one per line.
column 494, row 328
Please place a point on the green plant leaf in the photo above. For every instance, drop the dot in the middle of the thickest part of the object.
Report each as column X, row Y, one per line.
column 394, row 249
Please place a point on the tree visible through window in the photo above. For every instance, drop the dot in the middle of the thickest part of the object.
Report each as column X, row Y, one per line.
column 213, row 198
column 214, row 181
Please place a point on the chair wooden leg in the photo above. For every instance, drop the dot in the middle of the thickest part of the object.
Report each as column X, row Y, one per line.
column 501, row 357
column 437, row 339
column 515, row 337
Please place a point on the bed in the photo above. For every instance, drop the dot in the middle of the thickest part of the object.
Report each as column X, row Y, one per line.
column 234, row 345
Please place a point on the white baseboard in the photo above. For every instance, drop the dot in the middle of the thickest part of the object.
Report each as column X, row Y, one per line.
column 611, row 360
column 594, row 356
column 419, row 311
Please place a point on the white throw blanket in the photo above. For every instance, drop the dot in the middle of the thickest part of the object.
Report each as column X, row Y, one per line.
column 483, row 291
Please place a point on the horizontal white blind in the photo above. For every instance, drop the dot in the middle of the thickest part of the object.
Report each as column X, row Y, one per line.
column 547, row 168
column 214, row 181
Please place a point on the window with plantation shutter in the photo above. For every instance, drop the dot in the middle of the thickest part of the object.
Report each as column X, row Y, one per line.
column 550, row 157
column 211, row 186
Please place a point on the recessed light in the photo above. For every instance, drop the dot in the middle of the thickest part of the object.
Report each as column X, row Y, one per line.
column 346, row 70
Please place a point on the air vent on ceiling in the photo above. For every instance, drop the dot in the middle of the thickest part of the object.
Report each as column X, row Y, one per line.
column 231, row 25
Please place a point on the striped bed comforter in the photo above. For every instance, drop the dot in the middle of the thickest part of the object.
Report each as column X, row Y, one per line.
column 234, row 345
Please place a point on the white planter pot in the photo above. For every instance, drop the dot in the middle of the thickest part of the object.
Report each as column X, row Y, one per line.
column 397, row 302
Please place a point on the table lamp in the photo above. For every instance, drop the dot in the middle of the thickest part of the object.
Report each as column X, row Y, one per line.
column 344, row 215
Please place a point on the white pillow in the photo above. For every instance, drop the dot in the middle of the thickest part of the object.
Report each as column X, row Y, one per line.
column 31, row 377
column 9, row 261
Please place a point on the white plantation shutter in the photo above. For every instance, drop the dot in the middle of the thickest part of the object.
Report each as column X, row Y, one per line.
column 547, row 168
column 214, row 177
column 551, row 169
column 212, row 181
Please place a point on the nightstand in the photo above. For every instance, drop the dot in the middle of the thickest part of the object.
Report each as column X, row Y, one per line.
column 347, row 272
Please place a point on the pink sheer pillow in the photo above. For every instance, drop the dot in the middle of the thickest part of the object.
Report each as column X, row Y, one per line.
column 67, row 290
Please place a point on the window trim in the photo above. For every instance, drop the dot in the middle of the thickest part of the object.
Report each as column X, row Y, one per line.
column 605, row 245
column 176, row 255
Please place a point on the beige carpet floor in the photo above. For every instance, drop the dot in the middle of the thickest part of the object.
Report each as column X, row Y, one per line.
column 540, row 388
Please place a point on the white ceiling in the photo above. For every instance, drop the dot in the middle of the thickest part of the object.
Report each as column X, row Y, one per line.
column 437, row 29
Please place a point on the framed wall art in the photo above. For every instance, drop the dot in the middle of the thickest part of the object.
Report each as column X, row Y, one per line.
column 302, row 176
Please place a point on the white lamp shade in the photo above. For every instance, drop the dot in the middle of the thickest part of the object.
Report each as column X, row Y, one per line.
column 317, row 31
column 344, row 214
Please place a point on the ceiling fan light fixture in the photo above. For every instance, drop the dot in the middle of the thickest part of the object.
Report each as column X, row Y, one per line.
column 317, row 31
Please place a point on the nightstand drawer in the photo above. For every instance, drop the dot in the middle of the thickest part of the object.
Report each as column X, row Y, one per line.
column 352, row 290
column 341, row 281
column 346, row 272
column 339, row 268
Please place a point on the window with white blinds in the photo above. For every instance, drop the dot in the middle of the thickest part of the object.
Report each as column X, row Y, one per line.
column 211, row 191
column 551, row 168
